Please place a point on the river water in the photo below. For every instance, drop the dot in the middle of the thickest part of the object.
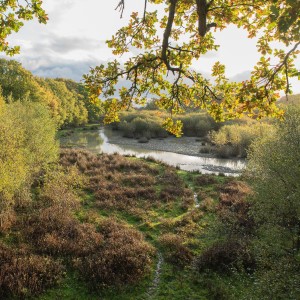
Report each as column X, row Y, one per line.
column 106, row 141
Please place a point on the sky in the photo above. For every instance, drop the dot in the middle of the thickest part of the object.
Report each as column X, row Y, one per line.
column 74, row 38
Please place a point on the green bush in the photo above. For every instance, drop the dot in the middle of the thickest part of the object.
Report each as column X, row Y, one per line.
column 199, row 124
column 273, row 171
column 27, row 146
column 148, row 123
column 235, row 140
column 223, row 256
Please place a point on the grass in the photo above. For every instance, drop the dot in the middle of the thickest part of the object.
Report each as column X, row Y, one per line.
column 145, row 196
column 160, row 217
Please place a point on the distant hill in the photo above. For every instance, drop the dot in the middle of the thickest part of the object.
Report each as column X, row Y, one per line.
column 292, row 99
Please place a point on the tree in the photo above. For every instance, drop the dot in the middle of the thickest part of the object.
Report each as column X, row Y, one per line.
column 163, row 68
column 27, row 146
column 67, row 105
column 12, row 12
column 19, row 84
column 274, row 173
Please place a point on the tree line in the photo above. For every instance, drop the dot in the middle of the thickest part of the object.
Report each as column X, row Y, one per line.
column 66, row 100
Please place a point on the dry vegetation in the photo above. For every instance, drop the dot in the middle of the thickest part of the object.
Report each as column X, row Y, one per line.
column 105, row 217
column 125, row 184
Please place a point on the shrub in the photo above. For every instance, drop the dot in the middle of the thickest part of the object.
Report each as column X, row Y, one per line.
column 235, row 139
column 207, row 204
column 7, row 215
column 138, row 180
column 197, row 124
column 123, row 258
column 60, row 187
column 203, row 180
column 27, row 147
column 279, row 281
column 234, row 208
column 54, row 231
column 117, row 182
column 175, row 251
column 225, row 255
column 205, row 150
column 23, row 274
column 144, row 125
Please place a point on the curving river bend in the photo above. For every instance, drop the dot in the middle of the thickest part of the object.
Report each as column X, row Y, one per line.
column 107, row 141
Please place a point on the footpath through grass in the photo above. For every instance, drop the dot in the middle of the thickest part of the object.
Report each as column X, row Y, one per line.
column 158, row 201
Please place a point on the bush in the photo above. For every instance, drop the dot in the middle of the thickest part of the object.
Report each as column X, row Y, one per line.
column 142, row 125
column 60, row 187
column 54, row 231
column 203, row 180
column 27, row 147
column 7, row 215
column 279, row 281
column 207, row 204
column 225, row 255
column 235, row 140
column 23, row 274
column 123, row 258
column 274, row 173
column 198, row 124
column 175, row 252
column 234, row 208
column 113, row 179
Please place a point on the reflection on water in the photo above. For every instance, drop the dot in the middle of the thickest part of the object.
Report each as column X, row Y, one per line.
column 87, row 139
column 98, row 141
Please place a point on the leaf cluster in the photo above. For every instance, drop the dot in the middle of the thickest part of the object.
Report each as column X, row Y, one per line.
column 163, row 68
column 12, row 15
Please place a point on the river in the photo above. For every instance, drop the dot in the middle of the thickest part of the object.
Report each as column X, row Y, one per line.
column 107, row 141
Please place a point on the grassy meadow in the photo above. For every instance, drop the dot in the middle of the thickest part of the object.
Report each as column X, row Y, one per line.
column 100, row 228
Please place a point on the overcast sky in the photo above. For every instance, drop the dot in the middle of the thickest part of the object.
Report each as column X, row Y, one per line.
column 74, row 40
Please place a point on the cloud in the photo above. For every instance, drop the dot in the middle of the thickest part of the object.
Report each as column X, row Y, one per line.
column 64, row 68
column 51, row 55
column 65, row 45
column 61, row 45
column 241, row 76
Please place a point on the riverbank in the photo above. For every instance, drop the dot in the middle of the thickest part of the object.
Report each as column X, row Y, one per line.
column 192, row 146
column 109, row 142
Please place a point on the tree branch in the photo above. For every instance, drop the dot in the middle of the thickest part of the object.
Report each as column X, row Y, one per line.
column 280, row 66
column 145, row 10
column 202, row 9
column 167, row 33
column 121, row 7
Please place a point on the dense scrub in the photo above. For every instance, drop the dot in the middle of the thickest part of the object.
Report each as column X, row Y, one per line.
column 24, row 274
column 148, row 124
column 48, row 238
column 27, row 147
column 123, row 258
column 228, row 139
column 125, row 184
column 234, row 140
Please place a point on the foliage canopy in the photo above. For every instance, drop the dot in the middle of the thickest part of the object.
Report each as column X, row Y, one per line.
column 163, row 67
column 67, row 100
column 27, row 144
column 12, row 12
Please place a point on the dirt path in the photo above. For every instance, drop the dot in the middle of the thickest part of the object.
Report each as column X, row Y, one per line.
column 156, row 280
